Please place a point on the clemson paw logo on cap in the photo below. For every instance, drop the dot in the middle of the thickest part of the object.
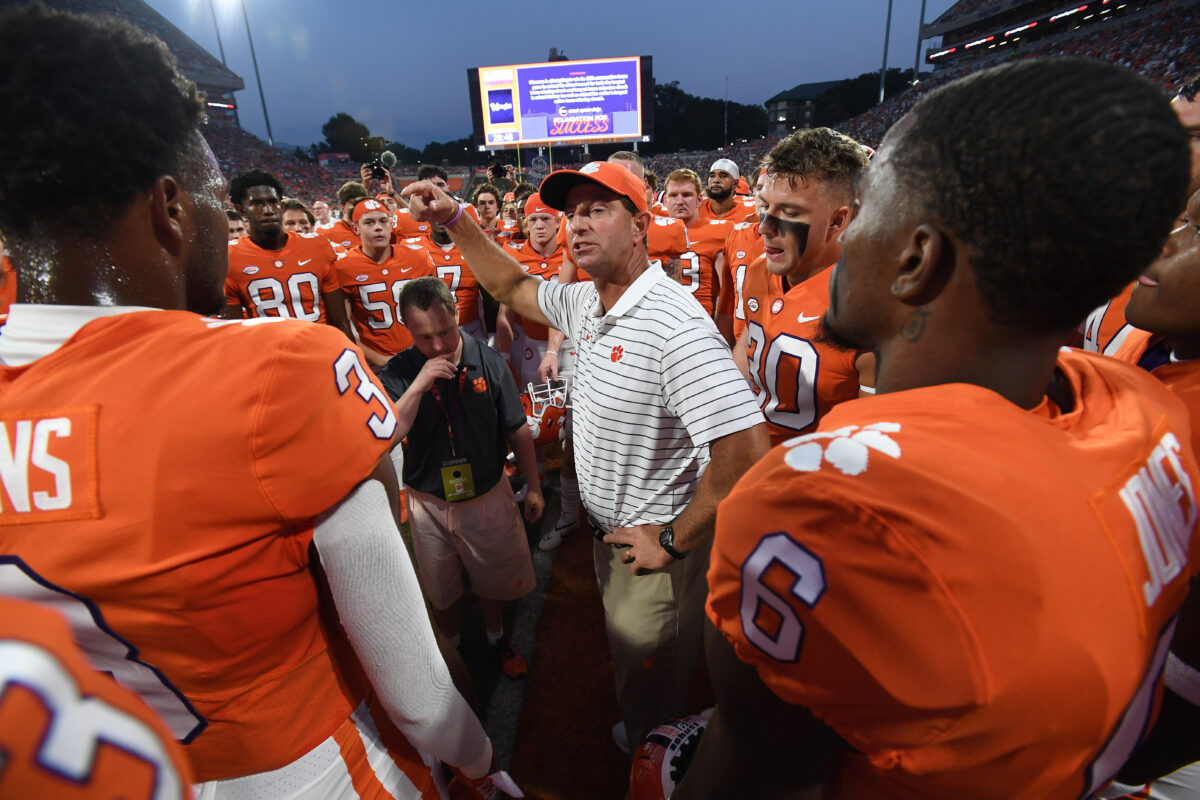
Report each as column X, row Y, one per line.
column 849, row 449
column 374, row 205
column 590, row 167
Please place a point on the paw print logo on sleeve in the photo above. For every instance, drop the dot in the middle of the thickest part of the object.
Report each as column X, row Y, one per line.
column 849, row 449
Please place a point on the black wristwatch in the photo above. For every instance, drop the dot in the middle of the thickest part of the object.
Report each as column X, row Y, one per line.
column 666, row 540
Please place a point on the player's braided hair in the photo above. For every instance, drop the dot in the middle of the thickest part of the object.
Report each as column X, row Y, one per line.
column 826, row 156
column 1062, row 176
column 89, row 128
column 242, row 183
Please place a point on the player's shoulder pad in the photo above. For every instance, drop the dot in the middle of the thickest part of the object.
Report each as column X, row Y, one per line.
column 412, row 246
column 313, row 235
column 741, row 226
column 666, row 221
column 718, row 222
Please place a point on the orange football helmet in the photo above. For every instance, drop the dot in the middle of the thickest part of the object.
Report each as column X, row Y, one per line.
column 545, row 411
column 661, row 761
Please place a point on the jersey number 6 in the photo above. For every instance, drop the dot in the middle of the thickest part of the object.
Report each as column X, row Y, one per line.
column 783, row 641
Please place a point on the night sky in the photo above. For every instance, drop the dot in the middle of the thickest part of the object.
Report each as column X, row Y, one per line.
column 400, row 67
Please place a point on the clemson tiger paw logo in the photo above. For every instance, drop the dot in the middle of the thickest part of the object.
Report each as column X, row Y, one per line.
column 849, row 449
column 617, row 352
column 479, row 385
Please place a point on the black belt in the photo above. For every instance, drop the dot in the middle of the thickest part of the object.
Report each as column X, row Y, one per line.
column 599, row 532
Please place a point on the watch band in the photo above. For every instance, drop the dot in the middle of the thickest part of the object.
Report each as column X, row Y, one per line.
column 666, row 540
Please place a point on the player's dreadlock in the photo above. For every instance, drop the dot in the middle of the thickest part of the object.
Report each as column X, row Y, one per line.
column 1061, row 175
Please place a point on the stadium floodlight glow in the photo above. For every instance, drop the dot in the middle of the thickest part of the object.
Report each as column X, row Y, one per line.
column 978, row 41
column 1068, row 13
column 943, row 53
column 211, row 104
column 1022, row 28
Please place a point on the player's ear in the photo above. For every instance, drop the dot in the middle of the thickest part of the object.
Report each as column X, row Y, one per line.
column 837, row 223
column 168, row 212
column 641, row 224
column 924, row 265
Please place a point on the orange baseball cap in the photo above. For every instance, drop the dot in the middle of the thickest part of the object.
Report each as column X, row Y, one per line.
column 534, row 205
column 613, row 177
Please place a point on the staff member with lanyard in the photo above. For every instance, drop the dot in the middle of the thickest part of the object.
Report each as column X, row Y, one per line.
column 458, row 405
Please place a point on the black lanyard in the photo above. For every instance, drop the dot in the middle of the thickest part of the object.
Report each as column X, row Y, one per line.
column 437, row 396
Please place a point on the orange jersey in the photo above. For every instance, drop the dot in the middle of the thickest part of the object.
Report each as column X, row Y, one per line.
column 742, row 247
column 797, row 378
column 282, row 283
column 1183, row 378
column 743, row 209
column 449, row 265
column 544, row 267
column 405, row 227
column 977, row 598
column 114, row 745
column 340, row 234
column 1106, row 331
column 706, row 239
column 374, row 294
column 8, row 287
column 167, row 503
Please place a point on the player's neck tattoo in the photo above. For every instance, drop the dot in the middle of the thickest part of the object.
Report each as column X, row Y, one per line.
column 914, row 325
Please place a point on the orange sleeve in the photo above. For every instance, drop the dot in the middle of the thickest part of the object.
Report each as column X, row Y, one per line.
column 329, row 276
column 820, row 597
column 322, row 387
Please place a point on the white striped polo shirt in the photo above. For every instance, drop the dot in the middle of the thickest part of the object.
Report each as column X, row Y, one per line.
column 654, row 385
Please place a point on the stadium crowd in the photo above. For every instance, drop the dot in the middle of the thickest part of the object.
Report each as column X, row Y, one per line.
column 808, row 398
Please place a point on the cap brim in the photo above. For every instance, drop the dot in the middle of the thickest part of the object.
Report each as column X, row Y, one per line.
column 558, row 184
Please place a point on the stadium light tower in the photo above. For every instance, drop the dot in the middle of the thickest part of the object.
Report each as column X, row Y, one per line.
column 258, row 78
column 887, row 33
column 920, row 30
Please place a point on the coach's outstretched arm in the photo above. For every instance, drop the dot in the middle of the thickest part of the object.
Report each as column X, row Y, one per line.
column 496, row 272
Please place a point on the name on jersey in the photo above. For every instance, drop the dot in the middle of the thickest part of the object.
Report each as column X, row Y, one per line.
column 1161, row 499
column 48, row 466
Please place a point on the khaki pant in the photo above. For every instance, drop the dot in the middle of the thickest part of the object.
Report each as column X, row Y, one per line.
column 485, row 535
column 654, row 624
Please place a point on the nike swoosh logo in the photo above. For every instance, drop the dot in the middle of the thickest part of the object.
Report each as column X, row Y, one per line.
column 305, row 261
column 803, row 318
